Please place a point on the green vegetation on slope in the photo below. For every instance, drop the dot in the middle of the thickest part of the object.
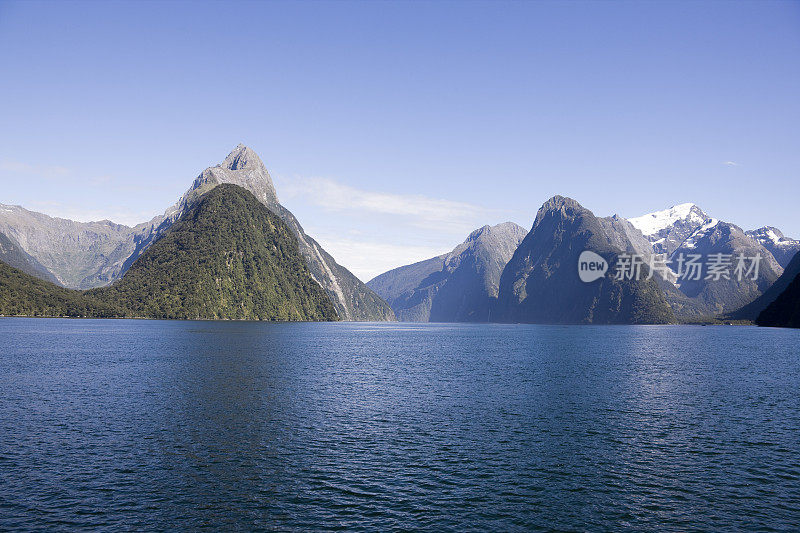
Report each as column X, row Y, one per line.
column 24, row 295
column 228, row 257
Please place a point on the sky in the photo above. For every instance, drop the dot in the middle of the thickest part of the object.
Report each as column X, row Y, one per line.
column 392, row 130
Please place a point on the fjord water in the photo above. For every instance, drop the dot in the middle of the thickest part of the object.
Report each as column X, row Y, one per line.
column 235, row 425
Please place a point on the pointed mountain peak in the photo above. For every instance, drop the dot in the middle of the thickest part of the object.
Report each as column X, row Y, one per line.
column 242, row 167
column 242, row 158
column 477, row 233
column 559, row 202
column 770, row 232
column 504, row 229
column 560, row 206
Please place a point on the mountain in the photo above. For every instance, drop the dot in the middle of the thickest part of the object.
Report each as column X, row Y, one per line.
column 780, row 246
column 14, row 256
column 24, row 295
column 784, row 312
column 455, row 287
column 726, row 295
column 227, row 257
column 351, row 297
column 79, row 255
column 668, row 229
column 85, row 255
column 621, row 234
column 540, row 284
column 752, row 310
column 685, row 230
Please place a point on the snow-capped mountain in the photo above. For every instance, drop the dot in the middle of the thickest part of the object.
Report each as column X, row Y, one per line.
column 670, row 228
column 782, row 248
column 684, row 230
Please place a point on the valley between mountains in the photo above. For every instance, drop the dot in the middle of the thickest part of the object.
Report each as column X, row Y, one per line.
column 227, row 249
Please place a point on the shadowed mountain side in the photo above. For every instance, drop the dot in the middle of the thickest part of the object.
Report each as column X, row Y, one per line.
column 540, row 284
column 726, row 295
column 752, row 310
column 784, row 312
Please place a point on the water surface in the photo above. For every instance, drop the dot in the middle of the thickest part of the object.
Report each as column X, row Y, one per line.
column 245, row 426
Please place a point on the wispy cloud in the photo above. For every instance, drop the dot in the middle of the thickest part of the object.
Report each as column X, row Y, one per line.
column 418, row 210
column 367, row 259
column 731, row 164
column 19, row 168
column 370, row 232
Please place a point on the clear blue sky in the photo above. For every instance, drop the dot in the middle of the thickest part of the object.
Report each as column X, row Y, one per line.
column 434, row 117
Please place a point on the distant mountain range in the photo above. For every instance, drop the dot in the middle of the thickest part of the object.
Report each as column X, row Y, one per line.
column 84, row 255
column 228, row 249
column 539, row 282
column 782, row 248
column 685, row 230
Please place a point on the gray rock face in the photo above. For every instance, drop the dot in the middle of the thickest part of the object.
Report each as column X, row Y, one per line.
column 623, row 235
column 79, row 254
column 781, row 247
column 242, row 167
column 93, row 254
column 459, row 286
column 540, row 284
column 14, row 256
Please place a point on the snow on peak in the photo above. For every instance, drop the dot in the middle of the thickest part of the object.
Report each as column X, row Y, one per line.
column 701, row 232
column 652, row 223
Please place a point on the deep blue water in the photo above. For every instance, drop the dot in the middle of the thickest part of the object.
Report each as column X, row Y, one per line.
column 241, row 426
